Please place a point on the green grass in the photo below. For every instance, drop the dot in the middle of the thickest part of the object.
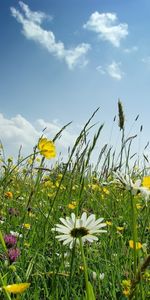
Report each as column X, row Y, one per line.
column 40, row 196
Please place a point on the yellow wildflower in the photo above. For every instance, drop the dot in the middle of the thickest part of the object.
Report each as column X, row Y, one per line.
column 72, row 205
column 106, row 191
column 138, row 245
column 146, row 182
column 120, row 228
column 48, row 183
column 26, row 226
column 9, row 195
column 126, row 284
column 16, row 288
column 109, row 223
column 47, row 148
column 95, row 187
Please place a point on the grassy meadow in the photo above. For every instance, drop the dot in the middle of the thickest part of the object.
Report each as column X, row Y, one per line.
column 35, row 263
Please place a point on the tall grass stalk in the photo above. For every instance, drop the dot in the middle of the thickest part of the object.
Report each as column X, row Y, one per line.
column 89, row 288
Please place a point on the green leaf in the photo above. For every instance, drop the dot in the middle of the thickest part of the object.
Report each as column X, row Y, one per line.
column 30, row 267
column 91, row 292
column 3, row 242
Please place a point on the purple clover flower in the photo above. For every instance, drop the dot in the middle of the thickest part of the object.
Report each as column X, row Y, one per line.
column 13, row 254
column 10, row 240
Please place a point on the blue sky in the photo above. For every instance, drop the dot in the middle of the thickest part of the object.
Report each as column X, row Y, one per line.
column 60, row 60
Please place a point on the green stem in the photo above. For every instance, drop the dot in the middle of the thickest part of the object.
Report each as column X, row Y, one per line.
column 85, row 269
column 5, row 292
column 134, row 232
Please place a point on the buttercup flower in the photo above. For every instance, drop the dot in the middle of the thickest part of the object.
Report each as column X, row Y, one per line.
column 138, row 245
column 47, row 148
column 146, row 181
column 16, row 288
column 74, row 228
column 72, row 205
column 26, row 226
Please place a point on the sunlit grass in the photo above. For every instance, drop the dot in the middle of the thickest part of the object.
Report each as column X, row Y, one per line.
column 33, row 198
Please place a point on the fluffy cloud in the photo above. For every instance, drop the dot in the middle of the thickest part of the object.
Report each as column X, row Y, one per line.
column 32, row 29
column 36, row 16
column 112, row 70
column 105, row 26
column 17, row 132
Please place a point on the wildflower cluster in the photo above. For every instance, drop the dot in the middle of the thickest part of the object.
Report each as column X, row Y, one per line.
column 12, row 251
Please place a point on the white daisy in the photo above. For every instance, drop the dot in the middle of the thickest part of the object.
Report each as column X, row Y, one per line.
column 74, row 228
column 127, row 182
column 135, row 187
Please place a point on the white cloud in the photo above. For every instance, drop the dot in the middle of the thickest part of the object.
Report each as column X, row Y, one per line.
column 104, row 24
column 36, row 16
column 112, row 70
column 131, row 50
column 32, row 29
column 18, row 131
column 101, row 70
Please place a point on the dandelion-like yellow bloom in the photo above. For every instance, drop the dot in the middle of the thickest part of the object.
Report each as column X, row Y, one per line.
column 47, row 148
column 146, row 182
column 138, row 245
column 16, row 288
